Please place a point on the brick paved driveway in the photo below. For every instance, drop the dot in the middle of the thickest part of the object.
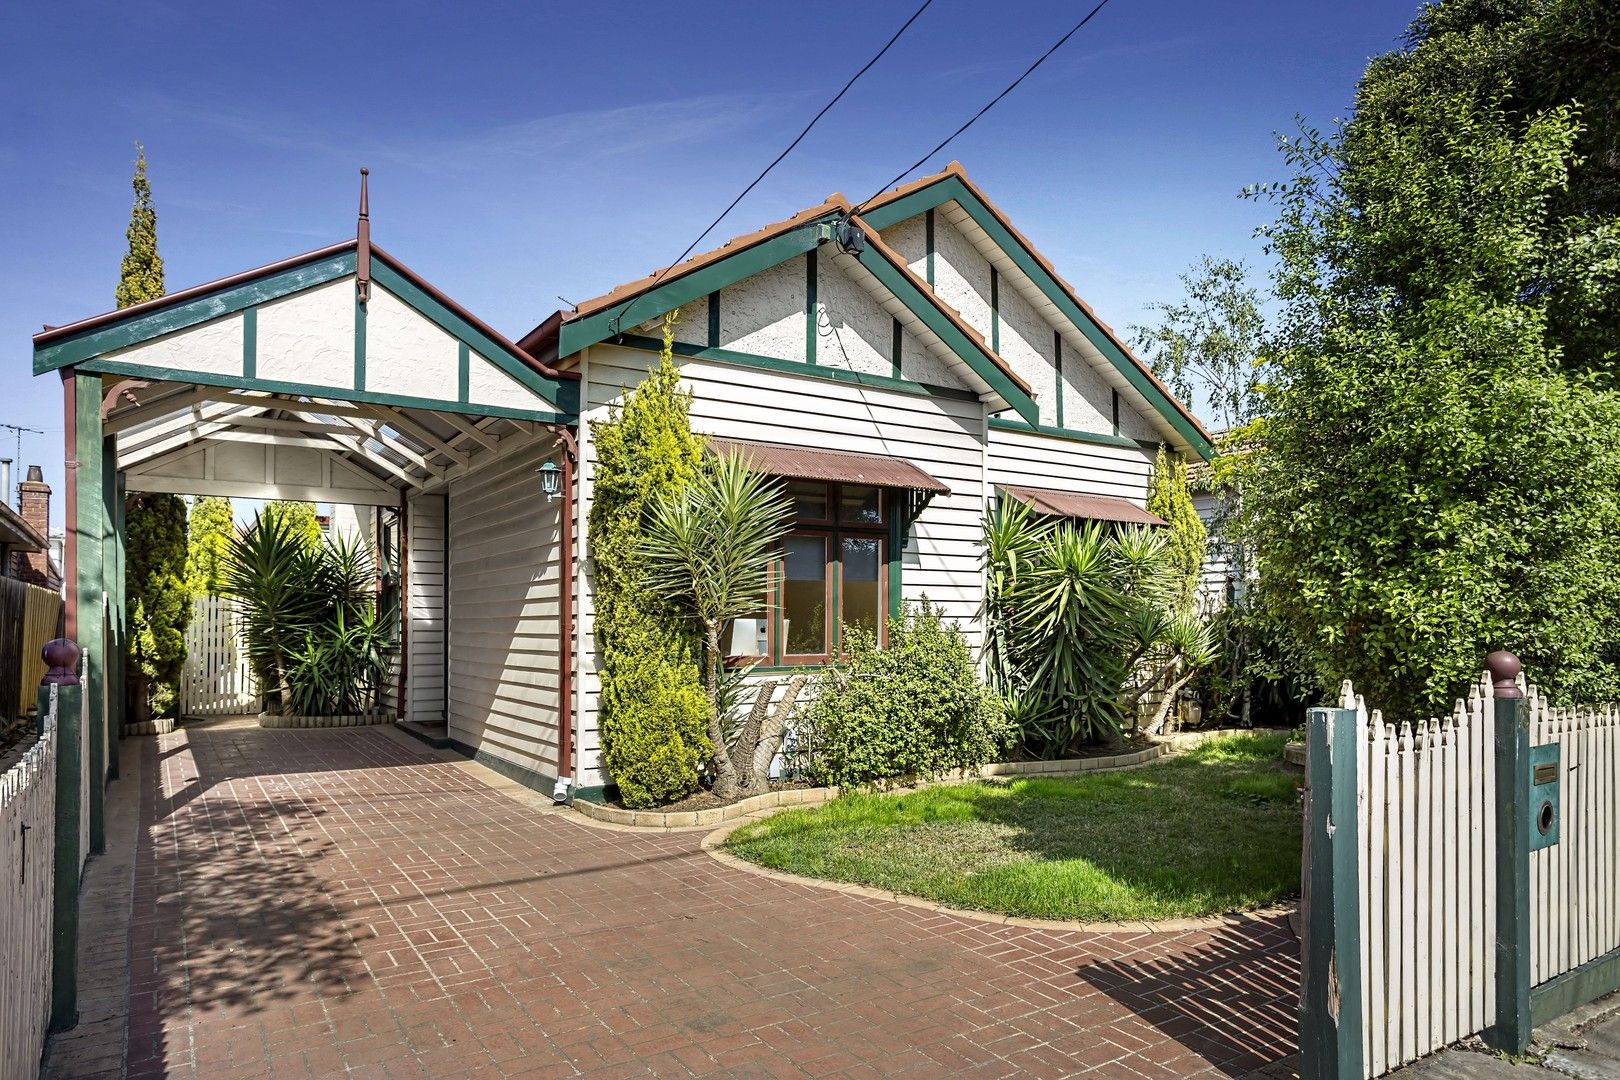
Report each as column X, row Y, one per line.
column 349, row 903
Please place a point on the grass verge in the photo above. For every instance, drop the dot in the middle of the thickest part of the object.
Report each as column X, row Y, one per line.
column 1213, row 830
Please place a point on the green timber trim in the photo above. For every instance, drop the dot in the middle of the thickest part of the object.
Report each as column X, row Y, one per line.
column 91, row 527
column 714, row 319
column 359, row 344
column 799, row 367
column 121, row 335
column 928, row 243
column 1116, row 410
column 250, row 342
column 463, row 372
column 995, row 311
column 951, row 189
column 1510, row 1028
column 552, row 390
column 1330, row 1007
column 896, row 349
column 926, row 309
column 1575, row 988
column 1003, row 424
column 576, row 334
column 1057, row 375
column 898, row 533
column 529, row 778
column 810, row 313
column 112, row 485
column 336, row 393
column 65, row 854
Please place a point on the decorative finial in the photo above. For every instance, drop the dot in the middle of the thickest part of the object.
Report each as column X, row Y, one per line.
column 61, row 656
column 362, row 251
column 1504, row 668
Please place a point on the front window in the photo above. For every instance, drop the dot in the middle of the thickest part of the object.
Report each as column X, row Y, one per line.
column 832, row 572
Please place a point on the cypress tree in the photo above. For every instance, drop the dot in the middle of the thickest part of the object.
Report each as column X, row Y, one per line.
column 141, row 277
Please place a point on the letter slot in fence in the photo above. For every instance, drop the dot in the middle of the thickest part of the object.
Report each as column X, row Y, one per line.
column 1542, row 801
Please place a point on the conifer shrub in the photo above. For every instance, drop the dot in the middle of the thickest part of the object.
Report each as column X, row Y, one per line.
column 1170, row 497
column 653, row 714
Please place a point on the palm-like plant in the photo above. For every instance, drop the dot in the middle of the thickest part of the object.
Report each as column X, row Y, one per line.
column 268, row 571
column 708, row 552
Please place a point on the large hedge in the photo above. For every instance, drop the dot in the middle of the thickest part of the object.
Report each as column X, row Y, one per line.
column 652, row 710
column 1437, row 477
column 158, row 600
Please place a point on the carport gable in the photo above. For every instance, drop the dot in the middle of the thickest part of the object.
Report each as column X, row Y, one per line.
column 300, row 327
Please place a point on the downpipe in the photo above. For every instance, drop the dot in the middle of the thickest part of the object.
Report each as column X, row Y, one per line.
column 566, row 743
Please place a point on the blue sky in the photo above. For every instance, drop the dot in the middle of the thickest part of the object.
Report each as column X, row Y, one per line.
column 525, row 151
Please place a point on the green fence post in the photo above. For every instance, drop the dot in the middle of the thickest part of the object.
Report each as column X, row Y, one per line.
column 1330, row 1005
column 1510, row 1032
column 62, row 701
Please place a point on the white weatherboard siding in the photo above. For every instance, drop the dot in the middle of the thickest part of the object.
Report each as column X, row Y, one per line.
column 504, row 626
column 942, row 436
column 424, row 602
column 1051, row 461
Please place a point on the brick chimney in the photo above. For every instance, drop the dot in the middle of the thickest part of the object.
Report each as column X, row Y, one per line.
column 34, row 502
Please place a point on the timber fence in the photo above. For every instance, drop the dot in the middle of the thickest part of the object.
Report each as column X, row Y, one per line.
column 27, row 854
column 1462, row 874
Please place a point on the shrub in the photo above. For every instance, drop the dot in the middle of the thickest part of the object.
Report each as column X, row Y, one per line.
column 159, row 602
column 915, row 708
column 653, row 713
column 1171, row 499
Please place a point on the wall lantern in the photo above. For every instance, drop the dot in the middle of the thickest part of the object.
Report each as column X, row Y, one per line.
column 550, row 480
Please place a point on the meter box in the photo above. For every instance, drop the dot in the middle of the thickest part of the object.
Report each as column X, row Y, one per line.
column 1543, row 802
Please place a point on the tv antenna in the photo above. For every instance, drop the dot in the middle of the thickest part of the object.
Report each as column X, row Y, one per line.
column 18, row 430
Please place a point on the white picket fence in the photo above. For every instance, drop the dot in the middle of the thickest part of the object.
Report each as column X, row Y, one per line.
column 1574, row 898
column 27, row 847
column 216, row 679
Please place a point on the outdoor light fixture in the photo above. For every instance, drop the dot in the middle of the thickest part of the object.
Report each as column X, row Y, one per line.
column 550, row 480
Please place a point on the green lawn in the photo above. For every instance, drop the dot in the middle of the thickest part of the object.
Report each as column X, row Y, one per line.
column 1213, row 830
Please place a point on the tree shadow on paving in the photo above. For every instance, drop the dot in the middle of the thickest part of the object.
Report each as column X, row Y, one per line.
column 1232, row 1000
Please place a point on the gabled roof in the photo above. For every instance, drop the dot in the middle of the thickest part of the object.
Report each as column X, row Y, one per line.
column 78, row 342
column 952, row 184
column 609, row 315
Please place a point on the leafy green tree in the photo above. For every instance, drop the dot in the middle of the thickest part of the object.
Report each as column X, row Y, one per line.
column 654, row 715
column 210, row 529
column 1171, row 499
column 1437, row 473
column 708, row 550
column 300, row 518
column 1210, row 346
column 159, row 602
column 141, row 276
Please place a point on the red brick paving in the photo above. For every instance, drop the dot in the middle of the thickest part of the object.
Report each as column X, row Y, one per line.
column 343, row 903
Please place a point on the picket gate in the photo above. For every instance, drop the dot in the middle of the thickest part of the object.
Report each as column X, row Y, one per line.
column 216, row 679
column 27, row 874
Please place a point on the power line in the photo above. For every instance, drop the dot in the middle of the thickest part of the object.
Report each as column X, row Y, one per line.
column 618, row 319
column 992, row 104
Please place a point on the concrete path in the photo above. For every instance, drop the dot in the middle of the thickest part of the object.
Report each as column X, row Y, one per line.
column 1585, row 1045
column 352, row 903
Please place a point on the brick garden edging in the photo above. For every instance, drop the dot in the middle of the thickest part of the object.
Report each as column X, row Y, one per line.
column 788, row 797
column 163, row 725
column 267, row 720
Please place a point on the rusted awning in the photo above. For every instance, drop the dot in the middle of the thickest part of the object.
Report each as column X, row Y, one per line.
column 831, row 466
column 1073, row 505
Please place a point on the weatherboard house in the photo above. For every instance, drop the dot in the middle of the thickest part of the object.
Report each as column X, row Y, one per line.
column 899, row 365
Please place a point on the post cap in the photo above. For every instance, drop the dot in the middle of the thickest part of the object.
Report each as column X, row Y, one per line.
column 1504, row 668
column 61, row 655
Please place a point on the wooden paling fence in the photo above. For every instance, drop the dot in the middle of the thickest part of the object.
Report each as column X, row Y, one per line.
column 1463, row 874
column 29, row 617
column 216, row 679
column 27, row 843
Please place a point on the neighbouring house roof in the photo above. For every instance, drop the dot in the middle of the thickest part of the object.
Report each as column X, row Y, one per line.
column 17, row 534
column 953, row 184
column 831, row 466
column 1072, row 505
column 633, row 303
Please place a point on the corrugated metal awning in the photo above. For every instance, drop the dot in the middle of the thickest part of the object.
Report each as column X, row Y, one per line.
column 1074, row 505
column 832, row 466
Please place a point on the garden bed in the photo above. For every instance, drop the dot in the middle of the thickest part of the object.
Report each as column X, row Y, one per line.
column 1213, row 830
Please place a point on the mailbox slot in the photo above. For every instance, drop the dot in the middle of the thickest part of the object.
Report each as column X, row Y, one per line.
column 1543, row 802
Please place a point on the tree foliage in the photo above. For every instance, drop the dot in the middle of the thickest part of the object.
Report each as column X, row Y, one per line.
column 141, row 276
column 210, row 528
column 1437, row 475
column 1171, row 499
column 653, row 711
column 1211, row 345
column 301, row 518
column 158, row 601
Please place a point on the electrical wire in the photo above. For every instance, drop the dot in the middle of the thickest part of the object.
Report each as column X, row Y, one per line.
column 992, row 104
column 618, row 319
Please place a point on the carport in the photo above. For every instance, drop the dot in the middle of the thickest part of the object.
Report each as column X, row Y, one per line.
column 336, row 376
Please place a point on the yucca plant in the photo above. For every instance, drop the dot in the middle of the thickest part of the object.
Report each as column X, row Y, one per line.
column 269, row 572
column 708, row 551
